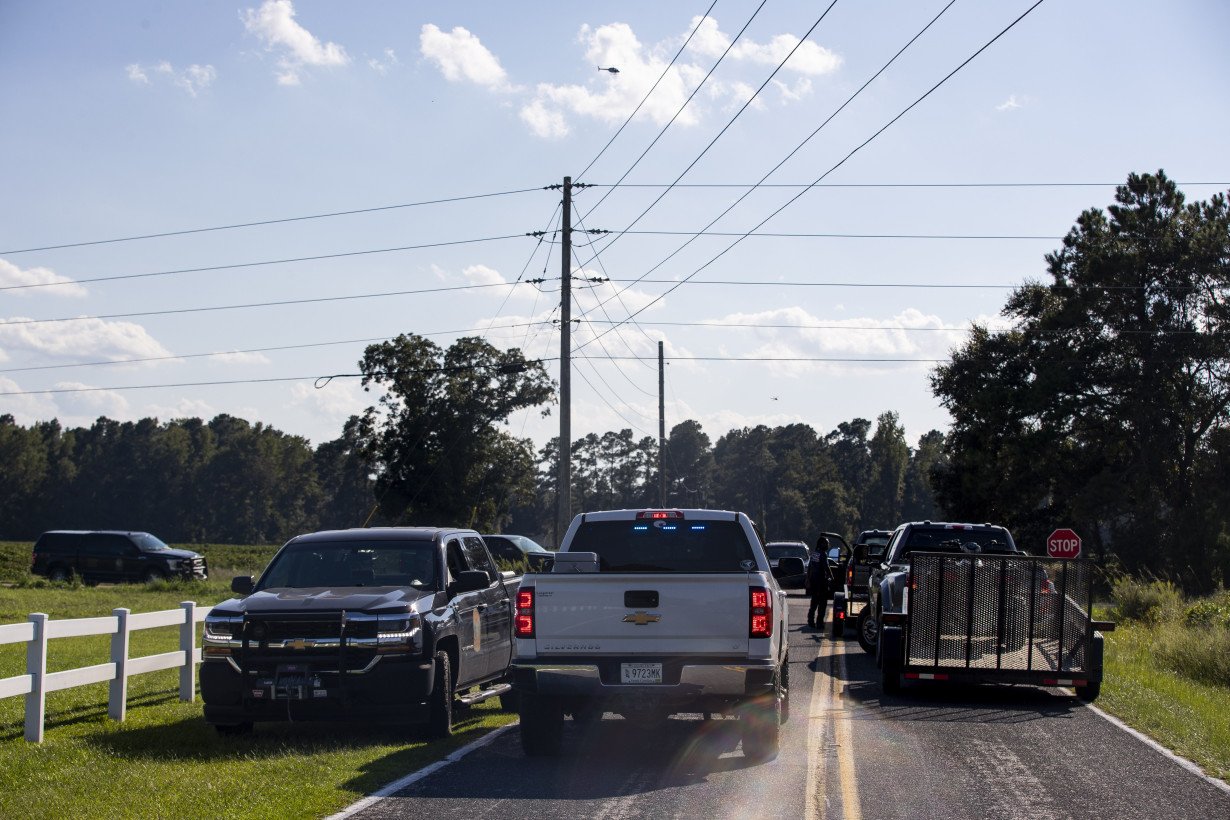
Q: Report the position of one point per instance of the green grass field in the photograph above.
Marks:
(164, 760)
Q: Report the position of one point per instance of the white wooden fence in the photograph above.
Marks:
(120, 624)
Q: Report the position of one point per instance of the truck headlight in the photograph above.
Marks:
(399, 632)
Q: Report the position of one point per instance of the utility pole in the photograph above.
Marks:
(661, 427)
(563, 515)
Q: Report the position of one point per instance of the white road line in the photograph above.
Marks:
(1153, 744)
(397, 785)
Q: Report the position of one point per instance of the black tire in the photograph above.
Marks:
(760, 722)
(59, 573)
(153, 574)
(440, 704)
(1089, 693)
(868, 630)
(586, 716)
(785, 689)
(233, 729)
(542, 725)
(838, 627)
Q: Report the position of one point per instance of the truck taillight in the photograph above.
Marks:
(523, 624)
(910, 582)
(850, 576)
(761, 608)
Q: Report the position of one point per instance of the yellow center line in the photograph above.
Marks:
(826, 701)
(850, 808)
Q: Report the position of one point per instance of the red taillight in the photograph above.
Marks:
(1048, 586)
(850, 575)
(761, 614)
(910, 582)
(523, 624)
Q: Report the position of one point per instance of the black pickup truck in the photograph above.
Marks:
(382, 624)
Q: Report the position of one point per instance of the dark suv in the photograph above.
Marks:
(112, 555)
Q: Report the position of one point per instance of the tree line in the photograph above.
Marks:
(231, 481)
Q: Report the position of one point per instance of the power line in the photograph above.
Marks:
(652, 88)
(844, 159)
(776, 235)
(731, 122)
(876, 184)
(268, 222)
(683, 107)
(285, 261)
(764, 178)
(279, 303)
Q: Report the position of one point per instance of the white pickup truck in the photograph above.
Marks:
(649, 613)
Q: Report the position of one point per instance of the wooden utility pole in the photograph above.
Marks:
(661, 427)
(563, 515)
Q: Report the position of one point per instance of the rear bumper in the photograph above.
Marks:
(685, 681)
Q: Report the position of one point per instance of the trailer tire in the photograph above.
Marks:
(868, 630)
(839, 621)
(1089, 693)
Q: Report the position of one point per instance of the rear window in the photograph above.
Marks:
(940, 539)
(874, 540)
(786, 551)
(666, 546)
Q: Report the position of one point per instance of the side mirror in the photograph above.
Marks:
(242, 585)
(791, 565)
(471, 581)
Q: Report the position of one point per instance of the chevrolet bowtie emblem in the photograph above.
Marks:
(641, 618)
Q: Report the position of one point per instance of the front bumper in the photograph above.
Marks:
(695, 682)
(394, 690)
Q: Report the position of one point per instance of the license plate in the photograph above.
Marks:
(640, 673)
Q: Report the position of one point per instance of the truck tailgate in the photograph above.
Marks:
(643, 614)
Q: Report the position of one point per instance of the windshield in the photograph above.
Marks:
(356, 563)
(666, 546)
(148, 543)
(775, 551)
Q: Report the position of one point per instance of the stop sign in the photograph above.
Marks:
(1063, 543)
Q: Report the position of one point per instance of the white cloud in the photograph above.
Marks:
(90, 339)
(483, 275)
(89, 402)
(335, 402)
(274, 23)
(810, 58)
(236, 357)
(185, 408)
(26, 409)
(460, 56)
(1009, 104)
(612, 98)
(193, 79)
(11, 275)
(544, 122)
(382, 66)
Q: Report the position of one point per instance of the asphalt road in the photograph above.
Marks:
(847, 752)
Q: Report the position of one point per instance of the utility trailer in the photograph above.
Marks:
(988, 618)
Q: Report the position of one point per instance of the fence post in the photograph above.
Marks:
(187, 643)
(36, 668)
(117, 696)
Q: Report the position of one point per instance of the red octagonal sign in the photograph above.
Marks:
(1063, 543)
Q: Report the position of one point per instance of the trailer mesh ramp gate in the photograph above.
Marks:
(1017, 613)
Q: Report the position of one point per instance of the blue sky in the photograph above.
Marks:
(129, 119)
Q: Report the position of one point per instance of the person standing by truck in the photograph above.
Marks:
(818, 583)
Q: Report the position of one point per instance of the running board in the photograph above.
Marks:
(472, 698)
